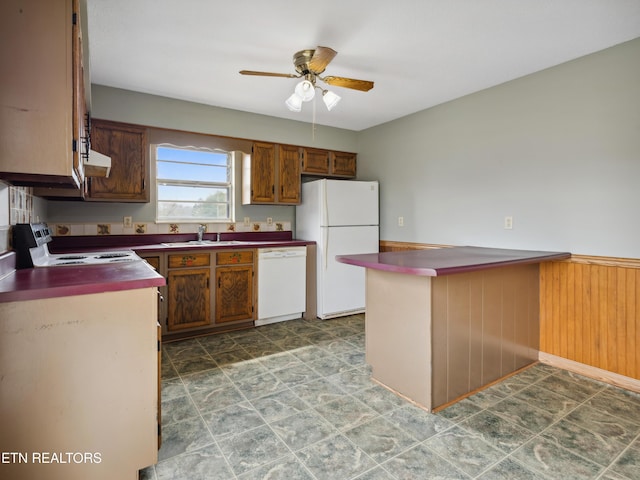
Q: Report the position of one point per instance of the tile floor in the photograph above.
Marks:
(294, 401)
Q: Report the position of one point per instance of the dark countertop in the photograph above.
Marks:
(172, 241)
(48, 282)
(223, 245)
(446, 261)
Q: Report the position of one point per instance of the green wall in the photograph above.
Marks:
(558, 150)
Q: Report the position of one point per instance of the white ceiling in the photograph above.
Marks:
(419, 53)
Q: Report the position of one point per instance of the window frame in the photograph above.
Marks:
(230, 184)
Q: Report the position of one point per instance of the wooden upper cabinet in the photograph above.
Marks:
(326, 163)
(42, 105)
(343, 164)
(129, 151)
(271, 175)
(289, 174)
(315, 161)
(262, 173)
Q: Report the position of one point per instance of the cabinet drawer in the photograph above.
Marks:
(234, 257)
(153, 261)
(189, 260)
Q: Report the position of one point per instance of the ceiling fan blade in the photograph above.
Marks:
(269, 74)
(362, 85)
(321, 58)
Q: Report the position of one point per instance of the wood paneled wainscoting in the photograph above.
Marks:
(589, 315)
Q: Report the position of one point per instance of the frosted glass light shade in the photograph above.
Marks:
(330, 99)
(305, 90)
(294, 102)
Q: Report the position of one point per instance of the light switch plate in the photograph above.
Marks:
(508, 223)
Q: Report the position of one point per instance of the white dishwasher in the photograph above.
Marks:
(282, 275)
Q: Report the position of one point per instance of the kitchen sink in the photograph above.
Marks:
(192, 243)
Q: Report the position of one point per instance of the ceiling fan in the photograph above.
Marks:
(310, 64)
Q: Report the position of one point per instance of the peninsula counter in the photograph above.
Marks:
(442, 323)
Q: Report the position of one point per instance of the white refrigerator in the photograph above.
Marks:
(341, 216)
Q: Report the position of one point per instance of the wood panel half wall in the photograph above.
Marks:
(589, 314)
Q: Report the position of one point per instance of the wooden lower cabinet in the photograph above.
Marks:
(189, 298)
(235, 286)
(234, 295)
(207, 290)
(188, 290)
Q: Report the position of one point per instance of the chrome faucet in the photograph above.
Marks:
(201, 230)
(217, 236)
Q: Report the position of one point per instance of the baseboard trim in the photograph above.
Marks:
(612, 378)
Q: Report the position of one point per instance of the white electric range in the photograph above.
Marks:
(30, 241)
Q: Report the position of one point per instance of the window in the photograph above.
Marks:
(193, 184)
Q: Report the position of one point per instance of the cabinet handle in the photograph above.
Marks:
(219, 279)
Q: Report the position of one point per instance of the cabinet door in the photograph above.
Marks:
(315, 161)
(234, 295)
(128, 149)
(263, 172)
(289, 171)
(188, 298)
(343, 164)
(40, 109)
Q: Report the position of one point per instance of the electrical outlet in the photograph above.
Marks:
(401, 221)
(247, 221)
(127, 222)
(269, 221)
(508, 223)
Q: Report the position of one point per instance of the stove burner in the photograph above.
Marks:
(112, 255)
(72, 257)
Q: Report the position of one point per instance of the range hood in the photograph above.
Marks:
(97, 165)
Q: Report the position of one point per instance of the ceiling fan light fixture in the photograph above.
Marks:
(294, 102)
(330, 99)
(305, 90)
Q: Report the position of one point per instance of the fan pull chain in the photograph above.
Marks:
(313, 124)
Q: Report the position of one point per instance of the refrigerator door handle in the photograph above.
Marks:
(325, 204)
(325, 246)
